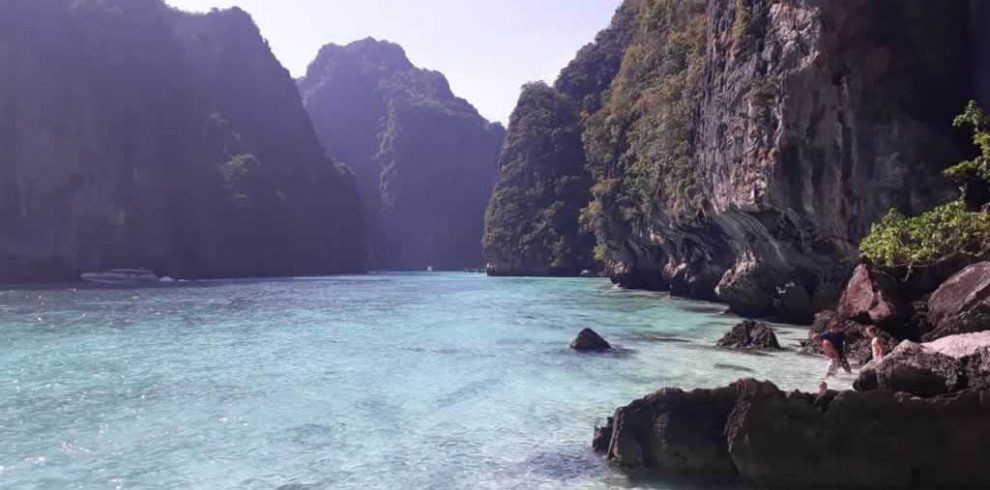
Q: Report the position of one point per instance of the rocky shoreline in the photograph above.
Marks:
(753, 432)
(917, 418)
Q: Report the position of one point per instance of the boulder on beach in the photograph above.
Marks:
(756, 433)
(961, 304)
(914, 369)
(871, 298)
(589, 341)
(750, 334)
(949, 364)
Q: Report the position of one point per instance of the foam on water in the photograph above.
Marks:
(379, 381)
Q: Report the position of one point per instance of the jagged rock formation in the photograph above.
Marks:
(424, 159)
(741, 149)
(132, 134)
(754, 432)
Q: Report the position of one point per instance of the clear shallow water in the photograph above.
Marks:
(380, 381)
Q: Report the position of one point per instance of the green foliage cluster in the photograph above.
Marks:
(979, 167)
(238, 175)
(943, 233)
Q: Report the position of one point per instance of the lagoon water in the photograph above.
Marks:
(390, 381)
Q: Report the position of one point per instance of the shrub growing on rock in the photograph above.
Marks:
(955, 229)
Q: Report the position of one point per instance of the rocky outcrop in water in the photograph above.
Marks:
(132, 134)
(424, 159)
(589, 341)
(750, 335)
(743, 149)
(753, 432)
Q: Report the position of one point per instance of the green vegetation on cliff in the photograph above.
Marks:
(960, 228)
(640, 144)
(541, 169)
(532, 224)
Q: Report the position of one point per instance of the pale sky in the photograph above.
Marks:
(487, 48)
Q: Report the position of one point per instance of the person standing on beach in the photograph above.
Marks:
(834, 344)
(876, 343)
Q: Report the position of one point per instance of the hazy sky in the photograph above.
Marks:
(487, 48)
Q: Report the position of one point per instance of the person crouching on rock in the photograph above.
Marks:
(876, 343)
(834, 344)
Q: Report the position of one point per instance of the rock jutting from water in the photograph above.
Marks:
(589, 341)
(753, 432)
(750, 334)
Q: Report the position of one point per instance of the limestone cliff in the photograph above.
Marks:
(744, 147)
(132, 134)
(424, 159)
(532, 223)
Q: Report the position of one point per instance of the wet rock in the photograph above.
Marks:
(750, 335)
(755, 432)
(962, 303)
(589, 341)
(675, 431)
(914, 369)
(871, 298)
(603, 436)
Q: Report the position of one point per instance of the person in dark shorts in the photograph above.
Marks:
(834, 344)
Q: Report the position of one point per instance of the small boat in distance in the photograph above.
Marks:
(121, 276)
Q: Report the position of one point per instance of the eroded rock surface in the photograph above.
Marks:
(962, 303)
(756, 433)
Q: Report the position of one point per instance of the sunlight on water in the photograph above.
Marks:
(380, 381)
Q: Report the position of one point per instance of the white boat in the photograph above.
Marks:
(121, 276)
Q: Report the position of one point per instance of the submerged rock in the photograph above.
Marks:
(962, 303)
(756, 433)
(750, 334)
(589, 341)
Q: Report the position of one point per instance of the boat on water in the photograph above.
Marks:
(121, 277)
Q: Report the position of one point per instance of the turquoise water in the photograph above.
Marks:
(380, 381)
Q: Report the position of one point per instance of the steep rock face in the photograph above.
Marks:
(759, 140)
(743, 148)
(424, 159)
(136, 135)
(532, 223)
